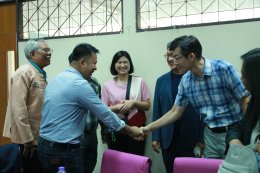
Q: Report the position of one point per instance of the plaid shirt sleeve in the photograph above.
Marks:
(181, 98)
(234, 83)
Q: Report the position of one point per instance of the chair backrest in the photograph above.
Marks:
(196, 165)
(10, 158)
(120, 162)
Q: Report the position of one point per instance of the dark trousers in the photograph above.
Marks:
(10, 159)
(125, 143)
(181, 146)
(52, 155)
(30, 165)
(89, 151)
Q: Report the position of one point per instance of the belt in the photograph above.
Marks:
(223, 129)
(58, 145)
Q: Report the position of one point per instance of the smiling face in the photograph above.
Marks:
(42, 56)
(122, 66)
(88, 66)
(180, 61)
(170, 60)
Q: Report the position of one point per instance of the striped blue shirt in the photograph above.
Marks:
(217, 95)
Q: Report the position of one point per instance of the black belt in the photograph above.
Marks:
(223, 129)
(57, 145)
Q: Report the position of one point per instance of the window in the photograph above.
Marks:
(63, 18)
(171, 13)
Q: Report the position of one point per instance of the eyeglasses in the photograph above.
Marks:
(175, 58)
(47, 50)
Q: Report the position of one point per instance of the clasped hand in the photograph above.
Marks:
(126, 106)
(139, 133)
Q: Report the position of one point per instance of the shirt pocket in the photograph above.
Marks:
(37, 87)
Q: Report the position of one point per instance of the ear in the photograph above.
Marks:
(32, 53)
(192, 56)
(82, 61)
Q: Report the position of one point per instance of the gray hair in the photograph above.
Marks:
(32, 45)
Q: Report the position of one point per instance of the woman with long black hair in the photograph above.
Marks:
(247, 131)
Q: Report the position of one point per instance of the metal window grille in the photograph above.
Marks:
(64, 18)
(170, 13)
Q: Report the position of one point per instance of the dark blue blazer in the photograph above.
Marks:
(189, 124)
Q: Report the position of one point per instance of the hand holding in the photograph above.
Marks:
(136, 133)
(145, 130)
(156, 146)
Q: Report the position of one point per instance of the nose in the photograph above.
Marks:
(170, 57)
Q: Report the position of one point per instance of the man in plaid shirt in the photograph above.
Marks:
(213, 88)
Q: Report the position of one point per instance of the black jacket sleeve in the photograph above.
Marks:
(240, 130)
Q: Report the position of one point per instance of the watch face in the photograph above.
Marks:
(199, 150)
(196, 152)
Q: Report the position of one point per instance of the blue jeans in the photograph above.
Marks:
(52, 155)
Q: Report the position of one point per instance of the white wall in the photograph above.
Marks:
(227, 42)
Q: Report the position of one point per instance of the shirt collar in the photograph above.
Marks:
(39, 69)
(207, 67)
(73, 70)
(207, 71)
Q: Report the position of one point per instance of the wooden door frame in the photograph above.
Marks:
(8, 37)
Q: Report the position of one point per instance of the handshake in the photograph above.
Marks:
(138, 133)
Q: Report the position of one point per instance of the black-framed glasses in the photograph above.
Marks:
(175, 58)
(168, 55)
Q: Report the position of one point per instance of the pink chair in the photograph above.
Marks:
(196, 165)
(120, 162)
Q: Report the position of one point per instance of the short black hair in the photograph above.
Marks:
(116, 57)
(187, 44)
(70, 58)
(82, 50)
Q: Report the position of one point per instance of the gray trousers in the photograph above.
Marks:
(215, 144)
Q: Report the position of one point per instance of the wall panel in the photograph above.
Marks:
(7, 43)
